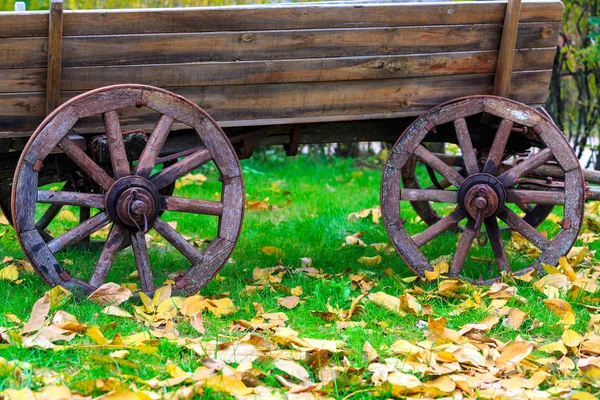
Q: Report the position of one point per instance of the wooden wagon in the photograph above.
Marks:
(241, 77)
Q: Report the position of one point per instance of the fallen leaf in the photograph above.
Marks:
(288, 302)
(10, 273)
(110, 294)
(39, 313)
(293, 369)
(272, 251)
(370, 261)
(196, 322)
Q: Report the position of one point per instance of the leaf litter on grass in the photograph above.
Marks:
(470, 341)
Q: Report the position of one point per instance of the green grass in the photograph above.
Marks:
(311, 197)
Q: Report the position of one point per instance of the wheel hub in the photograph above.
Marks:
(133, 202)
(483, 195)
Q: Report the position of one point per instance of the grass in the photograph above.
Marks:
(311, 198)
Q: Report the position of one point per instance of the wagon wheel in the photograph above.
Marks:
(534, 214)
(485, 196)
(130, 201)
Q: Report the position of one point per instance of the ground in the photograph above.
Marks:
(379, 326)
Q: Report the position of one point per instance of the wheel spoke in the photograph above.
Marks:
(439, 227)
(48, 216)
(497, 151)
(155, 143)
(55, 197)
(81, 231)
(527, 231)
(140, 251)
(511, 176)
(441, 196)
(180, 204)
(168, 175)
(86, 164)
(438, 165)
(535, 197)
(464, 142)
(462, 251)
(118, 156)
(178, 241)
(111, 247)
(495, 236)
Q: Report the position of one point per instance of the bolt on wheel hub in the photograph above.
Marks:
(133, 202)
(481, 195)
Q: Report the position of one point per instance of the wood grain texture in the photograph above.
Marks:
(271, 45)
(506, 53)
(276, 71)
(242, 105)
(296, 16)
(55, 39)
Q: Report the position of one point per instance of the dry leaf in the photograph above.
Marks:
(370, 261)
(39, 313)
(196, 322)
(293, 369)
(288, 302)
(272, 251)
(110, 294)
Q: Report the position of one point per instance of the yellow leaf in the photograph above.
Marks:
(554, 347)
(293, 369)
(220, 307)
(514, 318)
(67, 215)
(227, 384)
(409, 304)
(582, 396)
(370, 261)
(404, 347)
(297, 291)
(561, 309)
(567, 269)
(193, 305)
(161, 295)
(571, 338)
(96, 335)
(386, 301)
(513, 354)
(3, 220)
(10, 273)
(39, 312)
(147, 302)
(272, 251)
(116, 311)
(438, 269)
(552, 285)
(58, 296)
(110, 294)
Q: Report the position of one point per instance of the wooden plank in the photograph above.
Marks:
(506, 54)
(270, 45)
(264, 17)
(277, 71)
(55, 38)
(242, 105)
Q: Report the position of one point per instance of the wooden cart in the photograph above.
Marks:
(241, 77)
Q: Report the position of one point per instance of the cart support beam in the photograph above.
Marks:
(55, 34)
(506, 54)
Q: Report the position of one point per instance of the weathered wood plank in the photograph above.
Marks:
(296, 16)
(242, 105)
(277, 71)
(506, 54)
(55, 38)
(270, 45)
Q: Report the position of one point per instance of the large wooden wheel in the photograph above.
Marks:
(486, 196)
(534, 214)
(129, 198)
